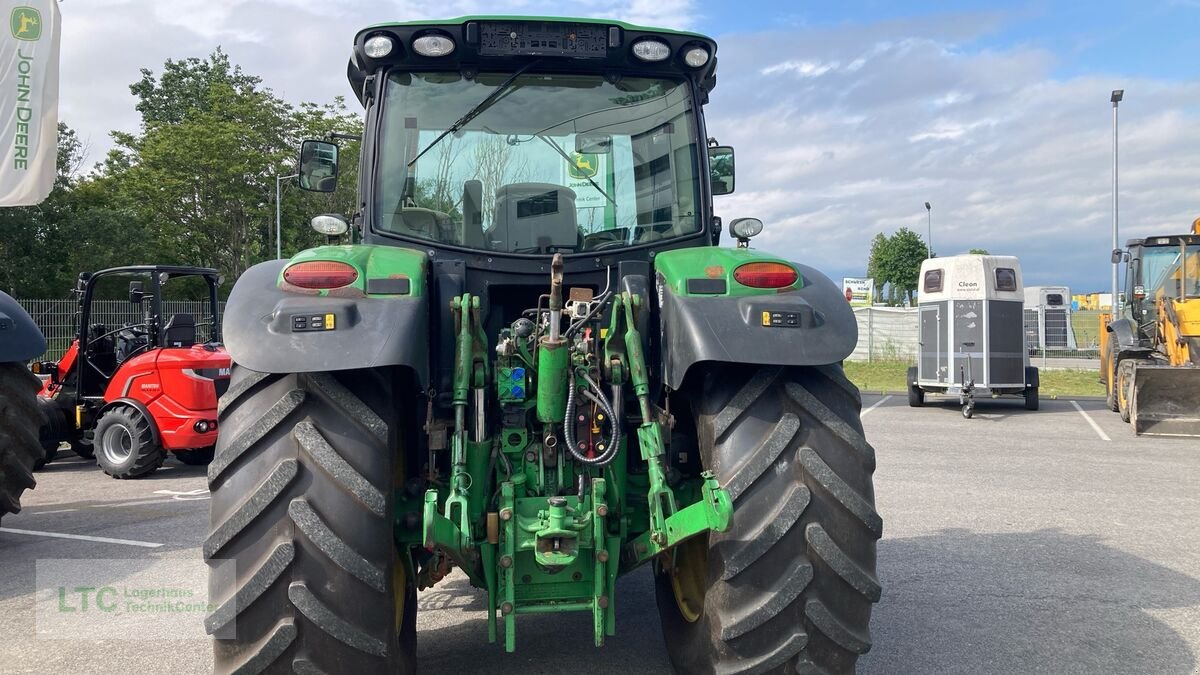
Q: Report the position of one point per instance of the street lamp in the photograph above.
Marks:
(278, 229)
(1117, 95)
(929, 228)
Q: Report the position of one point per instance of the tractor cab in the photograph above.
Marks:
(150, 351)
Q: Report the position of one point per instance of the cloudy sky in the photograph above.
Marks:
(846, 116)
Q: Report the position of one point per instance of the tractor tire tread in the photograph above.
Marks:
(21, 418)
(313, 540)
(792, 582)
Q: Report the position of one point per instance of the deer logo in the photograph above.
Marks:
(26, 24)
(583, 165)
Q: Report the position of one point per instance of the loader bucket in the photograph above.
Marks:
(1166, 401)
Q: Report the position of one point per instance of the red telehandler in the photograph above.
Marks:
(129, 394)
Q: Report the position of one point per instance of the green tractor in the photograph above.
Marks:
(530, 361)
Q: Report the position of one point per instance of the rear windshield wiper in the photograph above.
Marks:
(474, 112)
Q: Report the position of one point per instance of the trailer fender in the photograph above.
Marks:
(20, 339)
(269, 328)
(807, 326)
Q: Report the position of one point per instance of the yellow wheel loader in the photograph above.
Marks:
(1150, 352)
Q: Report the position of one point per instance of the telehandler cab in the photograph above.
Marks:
(533, 363)
(130, 394)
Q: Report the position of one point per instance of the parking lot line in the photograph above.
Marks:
(42, 513)
(82, 537)
(876, 405)
(138, 502)
(1103, 436)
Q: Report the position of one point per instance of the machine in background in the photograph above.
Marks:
(1150, 354)
(130, 394)
(971, 335)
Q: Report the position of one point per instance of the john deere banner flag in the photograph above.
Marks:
(28, 101)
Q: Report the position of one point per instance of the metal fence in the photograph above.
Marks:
(890, 334)
(59, 319)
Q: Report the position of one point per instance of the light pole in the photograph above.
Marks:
(278, 229)
(929, 228)
(1117, 95)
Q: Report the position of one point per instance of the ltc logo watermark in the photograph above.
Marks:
(139, 599)
(26, 24)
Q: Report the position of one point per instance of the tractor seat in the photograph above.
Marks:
(180, 331)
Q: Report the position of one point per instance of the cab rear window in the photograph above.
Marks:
(1006, 279)
(933, 281)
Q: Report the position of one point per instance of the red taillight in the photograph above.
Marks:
(320, 274)
(765, 275)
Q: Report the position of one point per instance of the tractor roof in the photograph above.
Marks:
(560, 44)
(458, 21)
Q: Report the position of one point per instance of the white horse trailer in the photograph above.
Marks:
(971, 337)
(1048, 318)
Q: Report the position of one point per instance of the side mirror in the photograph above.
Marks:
(318, 166)
(720, 169)
(136, 294)
(329, 224)
(1119, 256)
(744, 228)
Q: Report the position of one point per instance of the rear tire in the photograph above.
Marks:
(20, 420)
(125, 445)
(51, 431)
(1031, 398)
(790, 585)
(302, 498)
(197, 457)
(916, 395)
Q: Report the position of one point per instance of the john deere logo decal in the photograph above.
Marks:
(583, 165)
(26, 23)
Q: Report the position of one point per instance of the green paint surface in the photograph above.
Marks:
(372, 262)
(711, 262)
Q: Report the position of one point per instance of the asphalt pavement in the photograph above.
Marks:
(1015, 542)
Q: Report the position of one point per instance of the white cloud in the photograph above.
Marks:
(801, 68)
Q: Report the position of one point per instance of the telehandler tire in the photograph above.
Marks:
(20, 419)
(789, 587)
(125, 445)
(302, 493)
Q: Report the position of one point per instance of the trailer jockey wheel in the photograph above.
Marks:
(125, 445)
(968, 410)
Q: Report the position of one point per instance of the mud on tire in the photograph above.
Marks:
(790, 586)
(302, 493)
(20, 421)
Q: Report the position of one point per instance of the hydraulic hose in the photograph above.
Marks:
(597, 396)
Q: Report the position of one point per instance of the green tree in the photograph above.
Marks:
(875, 263)
(979, 251)
(902, 264)
(203, 170)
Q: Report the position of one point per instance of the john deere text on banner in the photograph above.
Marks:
(28, 101)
